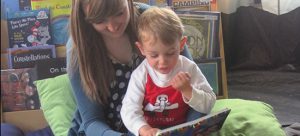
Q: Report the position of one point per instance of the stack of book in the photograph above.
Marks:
(35, 29)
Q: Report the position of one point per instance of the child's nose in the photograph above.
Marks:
(162, 61)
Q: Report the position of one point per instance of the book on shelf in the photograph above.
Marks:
(50, 68)
(60, 11)
(27, 56)
(18, 91)
(25, 4)
(202, 31)
(9, 6)
(29, 28)
(204, 125)
(211, 69)
(191, 5)
(159, 3)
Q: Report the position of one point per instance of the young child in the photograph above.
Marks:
(165, 84)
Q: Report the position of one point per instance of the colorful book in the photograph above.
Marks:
(201, 126)
(18, 91)
(29, 28)
(27, 56)
(202, 31)
(60, 11)
(191, 5)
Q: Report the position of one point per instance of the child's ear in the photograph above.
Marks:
(183, 42)
(139, 45)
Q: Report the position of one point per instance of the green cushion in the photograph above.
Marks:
(57, 103)
(248, 118)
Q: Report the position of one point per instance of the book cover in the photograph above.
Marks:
(18, 91)
(60, 11)
(29, 28)
(25, 5)
(159, 3)
(202, 31)
(211, 69)
(27, 56)
(191, 5)
(8, 6)
(50, 68)
(204, 125)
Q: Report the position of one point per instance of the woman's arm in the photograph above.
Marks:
(92, 114)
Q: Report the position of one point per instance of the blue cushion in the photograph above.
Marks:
(41, 132)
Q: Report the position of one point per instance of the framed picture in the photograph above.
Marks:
(211, 69)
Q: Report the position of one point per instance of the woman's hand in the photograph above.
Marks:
(182, 82)
(148, 131)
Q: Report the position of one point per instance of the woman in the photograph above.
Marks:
(102, 56)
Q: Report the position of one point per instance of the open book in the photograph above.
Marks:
(204, 125)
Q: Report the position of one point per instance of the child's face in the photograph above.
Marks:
(161, 57)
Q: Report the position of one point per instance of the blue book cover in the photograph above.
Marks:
(9, 6)
(29, 28)
(159, 3)
(211, 69)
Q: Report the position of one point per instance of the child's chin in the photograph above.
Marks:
(164, 71)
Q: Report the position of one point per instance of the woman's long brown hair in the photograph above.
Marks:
(89, 54)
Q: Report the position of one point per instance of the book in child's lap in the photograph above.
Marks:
(201, 126)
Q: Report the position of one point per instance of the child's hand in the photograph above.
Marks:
(148, 131)
(181, 82)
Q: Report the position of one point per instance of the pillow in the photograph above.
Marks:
(41, 132)
(57, 103)
(10, 130)
(248, 118)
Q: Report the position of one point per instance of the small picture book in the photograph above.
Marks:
(29, 28)
(18, 91)
(60, 11)
(204, 125)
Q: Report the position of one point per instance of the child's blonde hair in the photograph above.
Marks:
(160, 23)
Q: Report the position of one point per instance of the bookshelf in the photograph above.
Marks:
(205, 41)
(214, 7)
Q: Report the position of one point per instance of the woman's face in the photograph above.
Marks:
(114, 26)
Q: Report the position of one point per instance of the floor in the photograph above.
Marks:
(284, 98)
